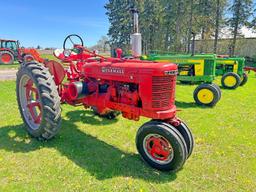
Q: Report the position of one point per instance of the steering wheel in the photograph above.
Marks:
(72, 40)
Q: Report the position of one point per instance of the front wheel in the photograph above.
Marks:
(207, 94)
(162, 146)
(244, 79)
(188, 137)
(230, 80)
(38, 100)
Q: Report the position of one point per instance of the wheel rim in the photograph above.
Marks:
(205, 96)
(30, 102)
(230, 81)
(158, 149)
(6, 58)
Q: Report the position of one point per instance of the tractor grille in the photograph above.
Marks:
(163, 91)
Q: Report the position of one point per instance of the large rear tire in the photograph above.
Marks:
(6, 57)
(161, 146)
(38, 100)
(28, 58)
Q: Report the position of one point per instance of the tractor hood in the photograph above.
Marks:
(128, 70)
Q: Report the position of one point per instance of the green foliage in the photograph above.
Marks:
(167, 24)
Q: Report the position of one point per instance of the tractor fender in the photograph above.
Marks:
(6, 49)
(56, 70)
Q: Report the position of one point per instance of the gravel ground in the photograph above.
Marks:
(8, 74)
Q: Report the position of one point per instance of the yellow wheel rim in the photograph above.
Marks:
(205, 96)
(230, 81)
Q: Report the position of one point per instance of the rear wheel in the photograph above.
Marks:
(161, 146)
(244, 79)
(28, 58)
(6, 57)
(206, 94)
(38, 100)
(230, 80)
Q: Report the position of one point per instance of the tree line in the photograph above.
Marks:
(170, 24)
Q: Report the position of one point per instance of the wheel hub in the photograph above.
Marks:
(230, 81)
(205, 96)
(30, 102)
(6, 58)
(158, 148)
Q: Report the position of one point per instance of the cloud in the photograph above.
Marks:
(248, 32)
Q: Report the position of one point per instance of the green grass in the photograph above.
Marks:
(12, 66)
(94, 154)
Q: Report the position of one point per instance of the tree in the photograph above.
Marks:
(102, 44)
(118, 12)
(240, 10)
(219, 21)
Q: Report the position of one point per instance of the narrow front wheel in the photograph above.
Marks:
(207, 94)
(161, 146)
(230, 80)
(244, 79)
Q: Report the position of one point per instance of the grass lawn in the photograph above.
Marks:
(12, 66)
(94, 154)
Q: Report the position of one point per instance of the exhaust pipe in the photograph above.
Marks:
(136, 39)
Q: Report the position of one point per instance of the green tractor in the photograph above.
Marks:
(232, 71)
(199, 69)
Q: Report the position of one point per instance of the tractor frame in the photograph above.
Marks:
(107, 86)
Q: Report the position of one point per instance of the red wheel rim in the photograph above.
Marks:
(33, 103)
(6, 58)
(158, 148)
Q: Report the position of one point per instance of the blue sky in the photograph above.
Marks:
(48, 22)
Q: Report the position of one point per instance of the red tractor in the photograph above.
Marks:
(10, 51)
(108, 86)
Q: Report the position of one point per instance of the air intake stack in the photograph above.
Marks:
(136, 36)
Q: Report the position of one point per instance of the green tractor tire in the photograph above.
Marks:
(218, 89)
(230, 80)
(207, 94)
(244, 79)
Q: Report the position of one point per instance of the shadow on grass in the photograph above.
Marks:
(184, 105)
(88, 117)
(102, 160)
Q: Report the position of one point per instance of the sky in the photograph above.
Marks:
(48, 22)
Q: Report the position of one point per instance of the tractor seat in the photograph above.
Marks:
(59, 54)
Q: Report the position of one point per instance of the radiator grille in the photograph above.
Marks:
(162, 91)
